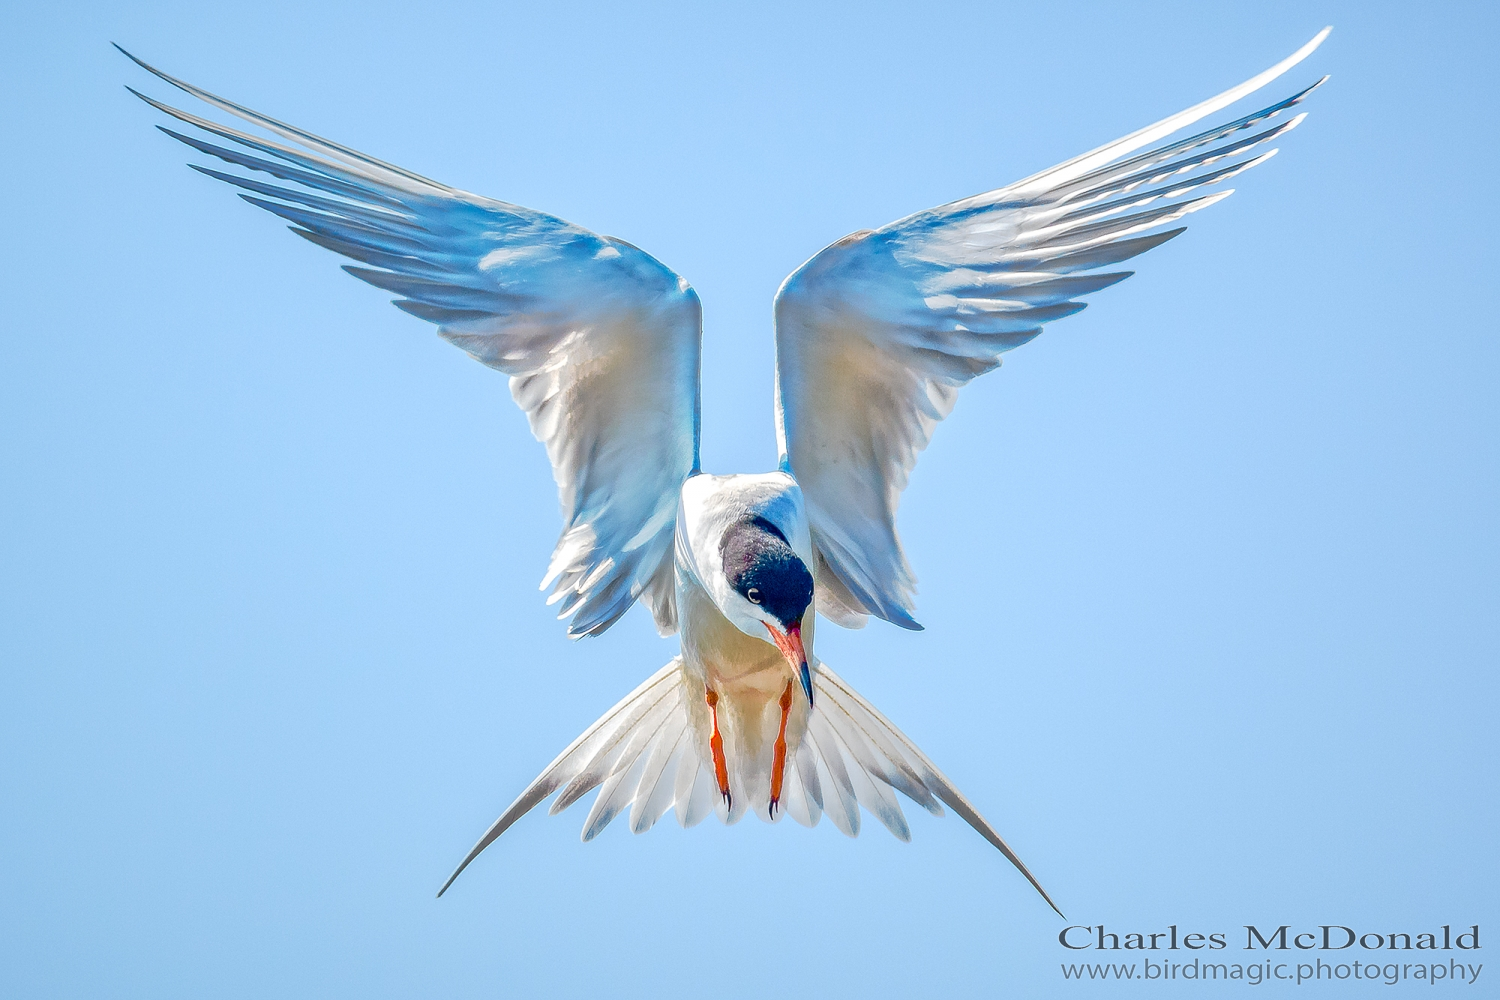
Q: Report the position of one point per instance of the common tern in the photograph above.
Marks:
(875, 335)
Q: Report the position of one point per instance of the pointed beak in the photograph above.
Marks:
(790, 644)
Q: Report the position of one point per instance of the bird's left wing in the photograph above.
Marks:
(876, 334)
(601, 341)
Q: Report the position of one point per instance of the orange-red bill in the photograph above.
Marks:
(790, 644)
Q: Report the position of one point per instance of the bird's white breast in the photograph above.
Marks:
(748, 673)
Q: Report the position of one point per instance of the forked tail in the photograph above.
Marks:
(644, 755)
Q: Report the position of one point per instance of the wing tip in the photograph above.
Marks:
(124, 52)
(1307, 48)
(896, 615)
(484, 842)
(143, 64)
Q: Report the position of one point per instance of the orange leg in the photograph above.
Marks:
(716, 744)
(778, 755)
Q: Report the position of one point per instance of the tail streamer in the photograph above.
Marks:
(643, 755)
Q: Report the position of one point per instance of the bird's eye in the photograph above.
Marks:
(753, 594)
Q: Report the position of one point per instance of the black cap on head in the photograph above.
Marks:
(763, 569)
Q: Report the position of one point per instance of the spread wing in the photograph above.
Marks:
(600, 340)
(877, 333)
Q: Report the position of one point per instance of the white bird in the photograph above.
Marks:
(874, 337)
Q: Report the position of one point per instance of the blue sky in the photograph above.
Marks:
(1208, 571)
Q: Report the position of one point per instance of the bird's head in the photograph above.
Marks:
(770, 589)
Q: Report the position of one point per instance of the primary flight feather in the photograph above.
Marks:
(875, 335)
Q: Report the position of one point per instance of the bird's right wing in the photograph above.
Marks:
(876, 334)
(600, 340)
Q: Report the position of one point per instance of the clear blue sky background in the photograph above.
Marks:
(1208, 571)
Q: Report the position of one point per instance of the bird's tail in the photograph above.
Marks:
(644, 755)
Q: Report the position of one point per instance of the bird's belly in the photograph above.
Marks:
(749, 678)
(729, 660)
